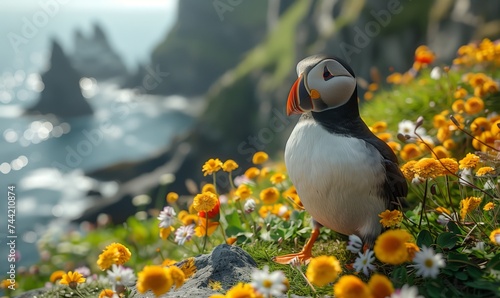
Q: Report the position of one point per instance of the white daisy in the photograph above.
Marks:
(249, 206)
(407, 127)
(355, 244)
(364, 262)
(183, 234)
(406, 292)
(166, 217)
(269, 284)
(119, 275)
(428, 263)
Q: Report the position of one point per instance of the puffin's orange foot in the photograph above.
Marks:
(302, 257)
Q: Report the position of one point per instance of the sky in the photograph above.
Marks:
(134, 27)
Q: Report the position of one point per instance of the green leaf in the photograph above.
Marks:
(233, 219)
(461, 275)
(454, 228)
(494, 263)
(424, 238)
(474, 272)
(447, 240)
(400, 276)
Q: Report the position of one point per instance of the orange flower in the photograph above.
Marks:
(410, 151)
(474, 105)
(480, 125)
(269, 195)
(201, 229)
(260, 157)
(469, 161)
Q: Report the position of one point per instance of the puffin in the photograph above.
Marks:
(344, 175)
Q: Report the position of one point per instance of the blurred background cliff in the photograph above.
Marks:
(109, 104)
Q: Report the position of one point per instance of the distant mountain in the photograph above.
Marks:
(95, 57)
(61, 96)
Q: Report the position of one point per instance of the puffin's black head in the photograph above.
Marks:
(324, 83)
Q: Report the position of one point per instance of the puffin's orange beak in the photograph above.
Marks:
(293, 103)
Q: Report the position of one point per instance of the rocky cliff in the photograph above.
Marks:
(94, 57)
(62, 95)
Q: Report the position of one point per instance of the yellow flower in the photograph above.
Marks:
(443, 210)
(154, 278)
(177, 276)
(243, 191)
(165, 232)
(410, 151)
(458, 106)
(439, 121)
(209, 187)
(205, 201)
(260, 157)
(469, 161)
(384, 136)
(495, 236)
(495, 128)
(480, 125)
(467, 205)
(229, 166)
(483, 171)
(460, 93)
(378, 127)
(412, 249)
(350, 286)
(478, 79)
(380, 286)
(124, 253)
(189, 219)
(56, 275)
(448, 165)
(440, 152)
(107, 258)
(252, 172)
(395, 146)
(488, 206)
(390, 247)
(443, 133)
(323, 270)
(106, 293)
(427, 168)
(114, 253)
(368, 95)
(241, 290)
(407, 169)
(72, 279)
(172, 197)
(391, 219)
(449, 144)
(474, 105)
(211, 166)
(215, 285)
(168, 262)
(269, 195)
(201, 229)
(188, 267)
(277, 178)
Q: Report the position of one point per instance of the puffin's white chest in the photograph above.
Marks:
(338, 179)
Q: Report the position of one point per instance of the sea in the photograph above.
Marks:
(43, 159)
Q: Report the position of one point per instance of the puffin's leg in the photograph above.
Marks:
(306, 253)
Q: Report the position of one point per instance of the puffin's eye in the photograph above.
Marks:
(327, 74)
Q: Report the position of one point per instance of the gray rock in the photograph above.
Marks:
(226, 264)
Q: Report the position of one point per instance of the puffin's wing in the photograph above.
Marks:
(395, 187)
